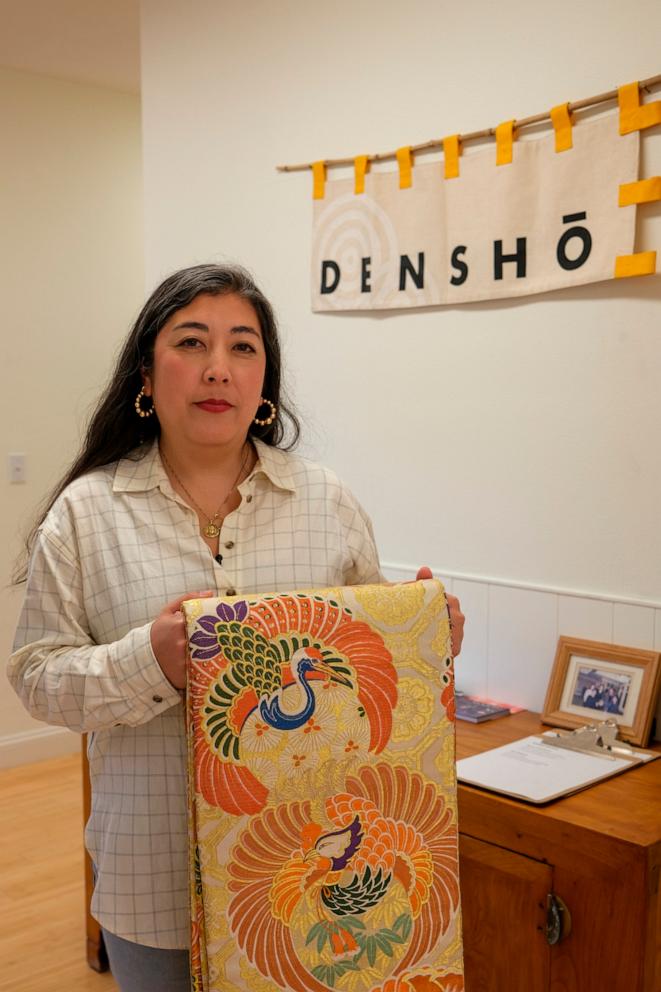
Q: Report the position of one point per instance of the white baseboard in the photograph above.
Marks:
(37, 745)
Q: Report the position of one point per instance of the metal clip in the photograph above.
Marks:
(594, 738)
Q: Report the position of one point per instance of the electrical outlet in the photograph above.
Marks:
(16, 467)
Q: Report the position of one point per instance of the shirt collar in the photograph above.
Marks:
(275, 465)
(140, 474)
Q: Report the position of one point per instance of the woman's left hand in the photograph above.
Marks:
(457, 618)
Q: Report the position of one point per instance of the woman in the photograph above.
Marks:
(180, 491)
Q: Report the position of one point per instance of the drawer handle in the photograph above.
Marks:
(558, 919)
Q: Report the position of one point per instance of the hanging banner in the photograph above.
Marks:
(525, 217)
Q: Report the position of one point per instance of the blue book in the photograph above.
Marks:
(476, 710)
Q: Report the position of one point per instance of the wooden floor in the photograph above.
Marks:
(42, 918)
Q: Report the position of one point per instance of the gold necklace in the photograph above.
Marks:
(210, 529)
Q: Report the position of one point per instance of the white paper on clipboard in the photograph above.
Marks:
(531, 770)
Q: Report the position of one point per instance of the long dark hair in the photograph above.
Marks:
(114, 428)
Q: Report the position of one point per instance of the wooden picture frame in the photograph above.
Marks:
(591, 680)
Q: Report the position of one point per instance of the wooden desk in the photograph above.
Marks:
(598, 850)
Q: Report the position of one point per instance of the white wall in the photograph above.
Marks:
(72, 276)
(515, 445)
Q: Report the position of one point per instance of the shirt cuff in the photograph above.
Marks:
(145, 683)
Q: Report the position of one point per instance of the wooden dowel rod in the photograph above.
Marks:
(590, 101)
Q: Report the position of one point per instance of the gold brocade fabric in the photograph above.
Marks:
(323, 814)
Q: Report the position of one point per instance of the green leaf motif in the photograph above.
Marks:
(347, 965)
(383, 943)
(352, 921)
(371, 947)
(314, 932)
(361, 940)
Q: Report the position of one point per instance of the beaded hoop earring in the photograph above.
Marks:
(138, 408)
(271, 417)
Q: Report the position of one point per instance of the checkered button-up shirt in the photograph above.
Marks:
(116, 546)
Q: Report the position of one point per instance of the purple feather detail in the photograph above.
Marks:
(208, 624)
(207, 638)
(207, 653)
(225, 612)
(204, 640)
(355, 837)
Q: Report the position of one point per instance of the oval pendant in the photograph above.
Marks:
(210, 530)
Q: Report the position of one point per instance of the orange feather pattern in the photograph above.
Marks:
(407, 829)
(233, 788)
(241, 708)
(398, 792)
(383, 844)
(377, 678)
(299, 613)
(263, 870)
(287, 888)
(423, 983)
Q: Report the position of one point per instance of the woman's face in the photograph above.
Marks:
(208, 372)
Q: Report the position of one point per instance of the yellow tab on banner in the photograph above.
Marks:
(634, 115)
(504, 141)
(318, 180)
(451, 153)
(561, 120)
(643, 263)
(644, 191)
(405, 162)
(360, 167)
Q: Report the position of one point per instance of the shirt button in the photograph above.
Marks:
(229, 544)
(231, 592)
(248, 499)
(157, 699)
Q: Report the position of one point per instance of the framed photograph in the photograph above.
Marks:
(593, 681)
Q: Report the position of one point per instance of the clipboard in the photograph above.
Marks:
(544, 767)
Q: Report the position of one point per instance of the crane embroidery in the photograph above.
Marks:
(259, 672)
(374, 886)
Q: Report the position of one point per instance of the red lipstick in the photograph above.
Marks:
(214, 406)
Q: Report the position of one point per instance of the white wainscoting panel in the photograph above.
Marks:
(471, 672)
(523, 633)
(590, 619)
(633, 626)
(657, 647)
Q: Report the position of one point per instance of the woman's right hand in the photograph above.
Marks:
(168, 638)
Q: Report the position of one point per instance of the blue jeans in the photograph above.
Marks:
(138, 968)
